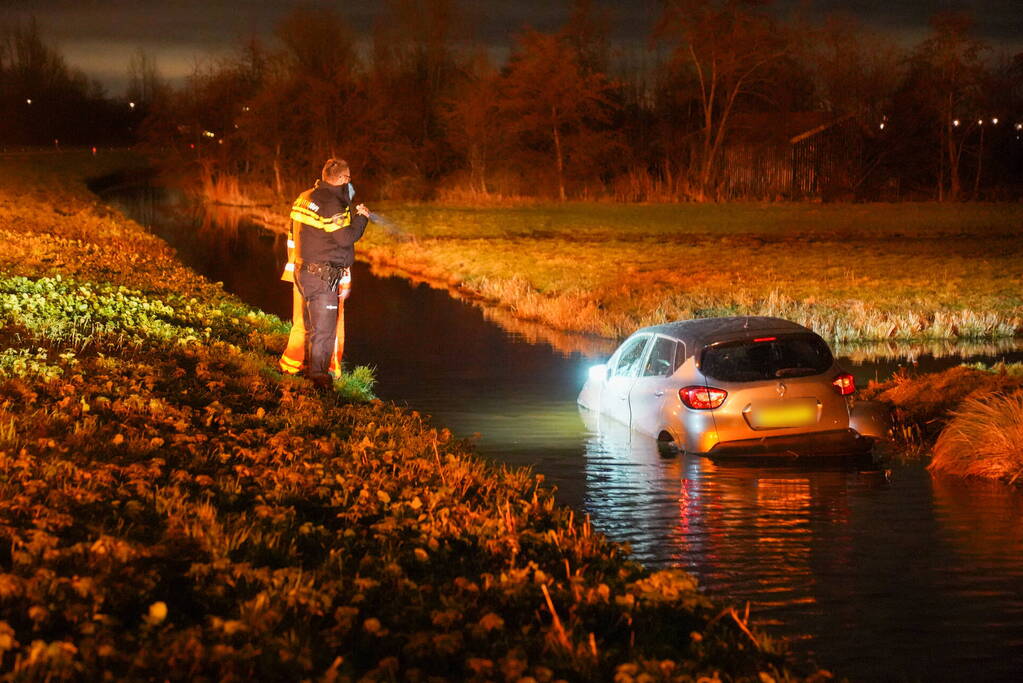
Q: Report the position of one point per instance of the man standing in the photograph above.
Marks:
(292, 360)
(325, 236)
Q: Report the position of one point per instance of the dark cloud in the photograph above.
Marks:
(99, 36)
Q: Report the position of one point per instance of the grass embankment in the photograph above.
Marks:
(850, 272)
(970, 417)
(171, 507)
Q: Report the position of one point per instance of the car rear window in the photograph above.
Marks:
(771, 357)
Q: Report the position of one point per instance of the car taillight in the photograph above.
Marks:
(844, 384)
(702, 398)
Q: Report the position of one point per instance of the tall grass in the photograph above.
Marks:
(853, 273)
(983, 439)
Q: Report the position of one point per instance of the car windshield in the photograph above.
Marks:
(770, 357)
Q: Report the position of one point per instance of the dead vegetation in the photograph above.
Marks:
(984, 438)
(970, 416)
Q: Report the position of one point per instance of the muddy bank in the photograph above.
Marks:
(970, 417)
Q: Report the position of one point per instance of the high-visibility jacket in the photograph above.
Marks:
(325, 231)
(304, 212)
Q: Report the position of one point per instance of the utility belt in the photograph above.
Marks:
(332, 275)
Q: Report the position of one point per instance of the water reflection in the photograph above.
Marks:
(711, 513)
(911, 352)
(869, 571)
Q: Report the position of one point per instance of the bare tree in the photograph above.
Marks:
(857, 74)
(547, 93)
(473, 119)
(728, 47)
(950, 72)
(145, 85)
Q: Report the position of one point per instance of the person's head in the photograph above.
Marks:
(336, 172)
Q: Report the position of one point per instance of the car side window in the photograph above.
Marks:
(661, 361)
(631, 355)
(680, 356)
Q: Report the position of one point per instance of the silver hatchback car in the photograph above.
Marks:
(735, 386)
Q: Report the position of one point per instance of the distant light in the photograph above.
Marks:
(882, 126)
(995, 120)
(1019, 126)
(245, 108)
(220, 141)
(209, 134)
(980, 122)
(28, 101)
(956, 122)
(131, 104)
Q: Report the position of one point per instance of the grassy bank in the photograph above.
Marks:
(172, 507)
(969, 417)
(851, 272)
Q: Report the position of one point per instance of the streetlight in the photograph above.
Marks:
(28, 100)
(131, 105)
(955, 123)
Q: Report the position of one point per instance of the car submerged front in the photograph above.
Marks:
(769, 387)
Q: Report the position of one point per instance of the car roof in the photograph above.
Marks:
(702, 331)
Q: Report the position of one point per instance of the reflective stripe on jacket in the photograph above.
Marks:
(324, 229)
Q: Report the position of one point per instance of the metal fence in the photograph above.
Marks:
(821, 165)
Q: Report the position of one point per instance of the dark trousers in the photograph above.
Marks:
(319, 312)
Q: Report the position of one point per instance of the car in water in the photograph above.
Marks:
(735, 386)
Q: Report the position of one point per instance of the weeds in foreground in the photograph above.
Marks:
(356, 385)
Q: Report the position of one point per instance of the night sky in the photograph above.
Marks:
(100, 36)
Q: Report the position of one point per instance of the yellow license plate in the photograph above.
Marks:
(794, 414)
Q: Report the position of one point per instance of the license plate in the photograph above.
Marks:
(785, 414)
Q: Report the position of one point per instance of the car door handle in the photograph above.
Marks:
(658, 393)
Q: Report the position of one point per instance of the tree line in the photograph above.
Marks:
(46, 102)
(726, 99)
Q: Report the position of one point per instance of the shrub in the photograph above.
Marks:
(984, 438)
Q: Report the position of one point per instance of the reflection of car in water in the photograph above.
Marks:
(735, 386)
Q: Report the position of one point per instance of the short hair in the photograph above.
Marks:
(333, 170)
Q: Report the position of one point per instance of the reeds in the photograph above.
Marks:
(984, 438)
(963, 412)
(854, 273)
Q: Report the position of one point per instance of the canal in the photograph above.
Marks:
(873, 573)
